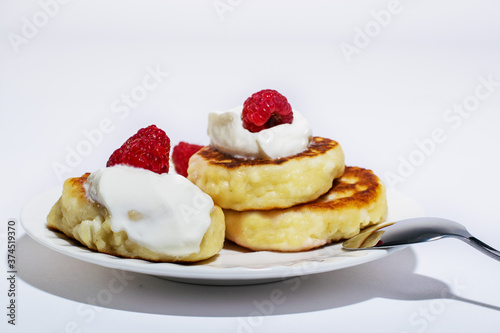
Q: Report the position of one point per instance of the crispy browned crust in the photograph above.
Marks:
(356, 188)
(77, 184)
(317, 146)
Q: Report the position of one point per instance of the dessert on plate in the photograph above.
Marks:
(281, 188)
(134, 208)
(264, 182)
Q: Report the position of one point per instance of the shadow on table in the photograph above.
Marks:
(392, 277)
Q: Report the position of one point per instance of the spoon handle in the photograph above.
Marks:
(483, 247)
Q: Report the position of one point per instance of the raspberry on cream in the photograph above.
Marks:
(165, 213)
(228, 135)
(149, 149)
(264, 109)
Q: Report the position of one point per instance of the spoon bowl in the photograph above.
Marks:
(412, 231)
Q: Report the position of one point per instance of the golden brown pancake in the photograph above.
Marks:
(88, 223)
(356, 200)
(249, 184)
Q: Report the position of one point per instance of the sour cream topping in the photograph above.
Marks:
(228, 135)
(165, 213)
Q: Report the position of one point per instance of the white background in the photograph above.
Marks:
(66, 74)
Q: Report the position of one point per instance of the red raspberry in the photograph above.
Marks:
(181, 154)
(265, 109)
(149, 149)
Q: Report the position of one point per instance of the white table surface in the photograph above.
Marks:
(403, 86)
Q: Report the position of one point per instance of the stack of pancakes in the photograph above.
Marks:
(294, 203)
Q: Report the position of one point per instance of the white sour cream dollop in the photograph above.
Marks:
(228, 135)
(165, 213)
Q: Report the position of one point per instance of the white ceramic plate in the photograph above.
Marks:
(233, 266)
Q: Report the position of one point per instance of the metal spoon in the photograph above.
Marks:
(416, 230)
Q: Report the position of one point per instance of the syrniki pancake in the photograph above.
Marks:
(88, 222)
(356, 200)
(249, 184)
